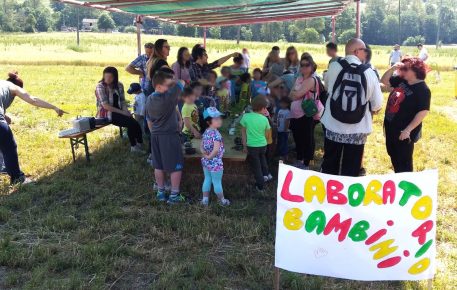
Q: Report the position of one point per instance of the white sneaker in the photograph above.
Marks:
(224, 202)
(268, 178)
(204, 203)
(136, 149)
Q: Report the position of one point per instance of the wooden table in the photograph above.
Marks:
(229, 155)
(80, 138)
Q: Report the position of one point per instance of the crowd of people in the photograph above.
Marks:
(188, 100)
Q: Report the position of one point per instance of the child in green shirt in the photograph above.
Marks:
(253, 131)
(190, 115)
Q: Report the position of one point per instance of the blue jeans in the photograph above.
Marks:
(215, 178)
(9, 149)
(283, 143)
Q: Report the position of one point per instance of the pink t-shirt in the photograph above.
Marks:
(296, 110)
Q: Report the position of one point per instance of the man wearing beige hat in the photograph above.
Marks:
(395, 55)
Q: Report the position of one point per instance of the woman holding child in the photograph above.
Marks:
(302, 126)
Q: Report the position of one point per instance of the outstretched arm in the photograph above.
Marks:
(222, 60)
(34, 101)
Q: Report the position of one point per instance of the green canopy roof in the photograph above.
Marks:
(220, 12)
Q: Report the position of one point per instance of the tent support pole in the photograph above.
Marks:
(357, 19)
(138, 21)
(333, 28)
(204, 37)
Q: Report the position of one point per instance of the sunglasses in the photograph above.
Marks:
(305, 64)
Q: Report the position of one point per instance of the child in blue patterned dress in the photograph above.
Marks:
(212, 149)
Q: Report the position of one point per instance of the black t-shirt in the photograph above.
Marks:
(404, 102)
(160, 63)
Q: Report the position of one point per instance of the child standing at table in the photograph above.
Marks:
(283, 121)
(190, 115)
(255, 127)
(212, 149)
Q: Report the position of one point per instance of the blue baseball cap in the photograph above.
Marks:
(134, 87)
(211, 112)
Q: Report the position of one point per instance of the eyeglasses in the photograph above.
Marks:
(305, 64)
(167, 46)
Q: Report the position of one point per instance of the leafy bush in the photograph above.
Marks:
(414, 40)
(346, 36)
(130, 29)
(309, 35)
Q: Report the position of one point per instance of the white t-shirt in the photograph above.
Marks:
(139, 105)
(283, 116)
(395, 56)
(423, 54)
(373, 94)
(247, 60)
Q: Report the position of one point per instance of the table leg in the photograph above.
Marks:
(72, 143)
(86, 147)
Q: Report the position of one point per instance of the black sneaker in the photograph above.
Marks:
(362, 172)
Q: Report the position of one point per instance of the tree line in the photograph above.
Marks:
(382, 22)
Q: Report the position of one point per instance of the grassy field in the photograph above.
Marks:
(96, 226)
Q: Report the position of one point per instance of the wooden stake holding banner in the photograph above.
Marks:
(378, 228)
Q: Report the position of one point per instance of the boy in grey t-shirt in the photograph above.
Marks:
(166, 149)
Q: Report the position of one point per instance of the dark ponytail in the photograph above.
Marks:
(13, 77)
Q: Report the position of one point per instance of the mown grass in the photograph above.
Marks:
(96, 226)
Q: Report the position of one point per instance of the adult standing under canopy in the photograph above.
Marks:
(355, 94)
(200, 67)
(9, 90)
(157, 61)
(139, 65)
(408, 105)
(181, 66)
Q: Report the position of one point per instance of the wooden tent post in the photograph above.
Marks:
(276, 282)
(357, 19)
(204, 37)
(138, 22)
(333, 28)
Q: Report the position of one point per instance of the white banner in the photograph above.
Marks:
(379, 227)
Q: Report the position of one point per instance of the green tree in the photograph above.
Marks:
(389, 30)
(186, 30)
(430, 28)
(30, 24)
(317, 23)
(372, 22)
(215, 32)
(346, 36)
(246, 33)
(105, 22)
(272, 31)
(309, 35)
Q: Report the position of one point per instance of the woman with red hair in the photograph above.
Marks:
(408, 105)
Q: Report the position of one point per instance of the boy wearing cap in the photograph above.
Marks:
(139, 103)
(212, 149)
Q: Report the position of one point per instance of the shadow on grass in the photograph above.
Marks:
(97, 226)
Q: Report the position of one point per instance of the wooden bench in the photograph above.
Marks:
(80, 138)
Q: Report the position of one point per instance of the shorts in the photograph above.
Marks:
(167, 152)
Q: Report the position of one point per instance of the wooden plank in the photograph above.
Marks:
(229, 155)
(80, 134)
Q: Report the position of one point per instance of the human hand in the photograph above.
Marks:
(197, 135)
(404, 135)
(397, 65)
(245, 149)
(60, 112)
(7, 119)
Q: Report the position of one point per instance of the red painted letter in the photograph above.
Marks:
(334, 194)
(285, 193)
(334, 224)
